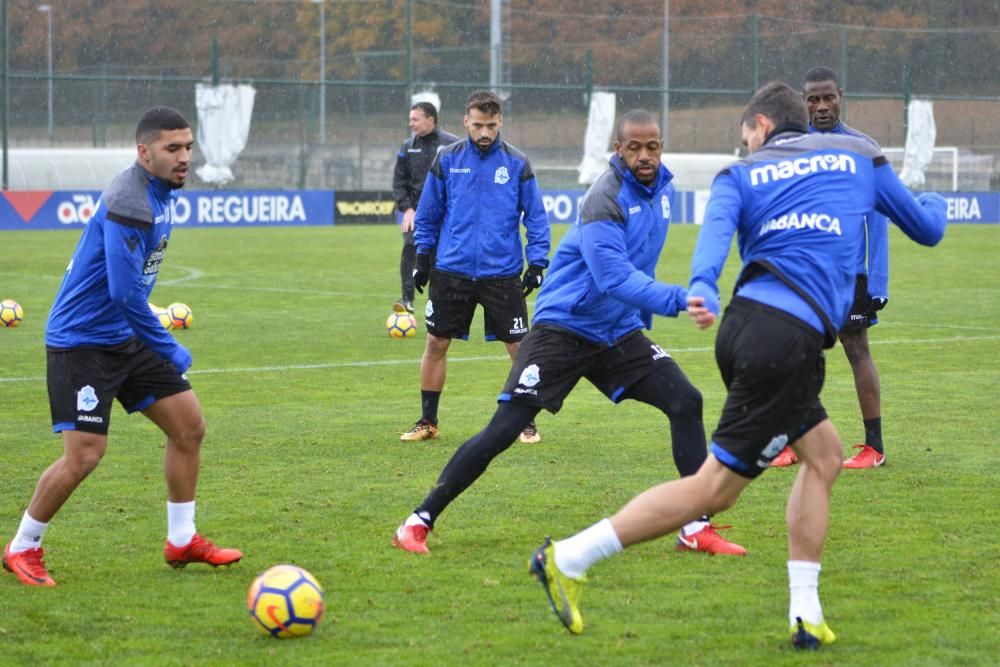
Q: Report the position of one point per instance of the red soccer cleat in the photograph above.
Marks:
(199, 550)
(27, 566)
(709, 541)
(868, 457)
(786, 457)
(411, 538)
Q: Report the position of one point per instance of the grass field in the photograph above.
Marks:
(305, 395)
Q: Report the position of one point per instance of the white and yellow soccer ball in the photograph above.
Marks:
(163, 316)
(285, 601)
(11, 313)
(401, 325)
(181, 315)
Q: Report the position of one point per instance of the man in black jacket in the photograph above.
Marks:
(412, 163)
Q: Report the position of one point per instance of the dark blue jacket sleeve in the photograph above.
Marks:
(922, 220)
(603, 247)
(430, 210)
(125, 256)
(722, 219)
(536, 223)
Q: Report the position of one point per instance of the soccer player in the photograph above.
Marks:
(412, 163)
(797, 204)
(600, 293)
(477, 193)
(823, 97)
(103, 342)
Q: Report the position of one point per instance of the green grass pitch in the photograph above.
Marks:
(305, 395)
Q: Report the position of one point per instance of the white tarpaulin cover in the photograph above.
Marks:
(600, 125)
(224, 114)
(920, 136)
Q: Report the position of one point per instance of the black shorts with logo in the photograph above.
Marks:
(861, 316)
(552, 360)
(451, 305)
(83, 381)
(773, 366)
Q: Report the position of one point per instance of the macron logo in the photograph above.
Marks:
(779, 171)
(460, 170)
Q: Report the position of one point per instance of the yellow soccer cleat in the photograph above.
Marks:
(564, 592)
(805, 635)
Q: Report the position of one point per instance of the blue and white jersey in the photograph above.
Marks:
(602, 283)
(798, 207)
(104, 296)
(873, 258)
(471, 207)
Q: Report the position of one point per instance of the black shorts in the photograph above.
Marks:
(83, 381)
(452, 301)
(862, 315)
(551, 361)
(773, 366)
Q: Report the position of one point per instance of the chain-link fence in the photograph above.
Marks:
(551, 57)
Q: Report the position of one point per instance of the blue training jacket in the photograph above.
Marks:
(602, 282)
(104, 296)
(873, 258)
(471, 208)
(798, 207)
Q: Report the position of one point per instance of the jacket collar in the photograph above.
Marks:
(663, 176)
(787, 128)
(161, 187)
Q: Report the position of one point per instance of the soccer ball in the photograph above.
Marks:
(180, 315)
(285, 601)
(401, 325)
(163, 316)
(11, 313)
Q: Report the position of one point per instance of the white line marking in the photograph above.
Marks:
(402, 362)
(192, 274)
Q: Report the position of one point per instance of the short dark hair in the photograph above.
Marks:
(634, 117)
(817, 74)
(485, 101)
(156, 120)
(779, 102)
(428, 110)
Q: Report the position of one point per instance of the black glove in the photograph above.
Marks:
(877, 303)
(532, 279)
(421, 272)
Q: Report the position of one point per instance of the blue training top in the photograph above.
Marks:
(470, 210)
(798, 207)
(602, 281)
(104, 296)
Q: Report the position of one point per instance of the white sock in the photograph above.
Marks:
(575, 554)
(180, 523)
(803, 585)
(29, 535)
(693, 527)
(416, 519)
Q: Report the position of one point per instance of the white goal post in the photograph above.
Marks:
(895, 156)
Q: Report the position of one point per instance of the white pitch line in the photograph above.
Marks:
(401, 362)
(192, 274)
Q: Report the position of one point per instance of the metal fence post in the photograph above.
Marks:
(5, 113)
(215, 61)
(906, 100)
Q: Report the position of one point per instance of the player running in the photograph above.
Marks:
(103, 342)
(601, 292)
(797, 204)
